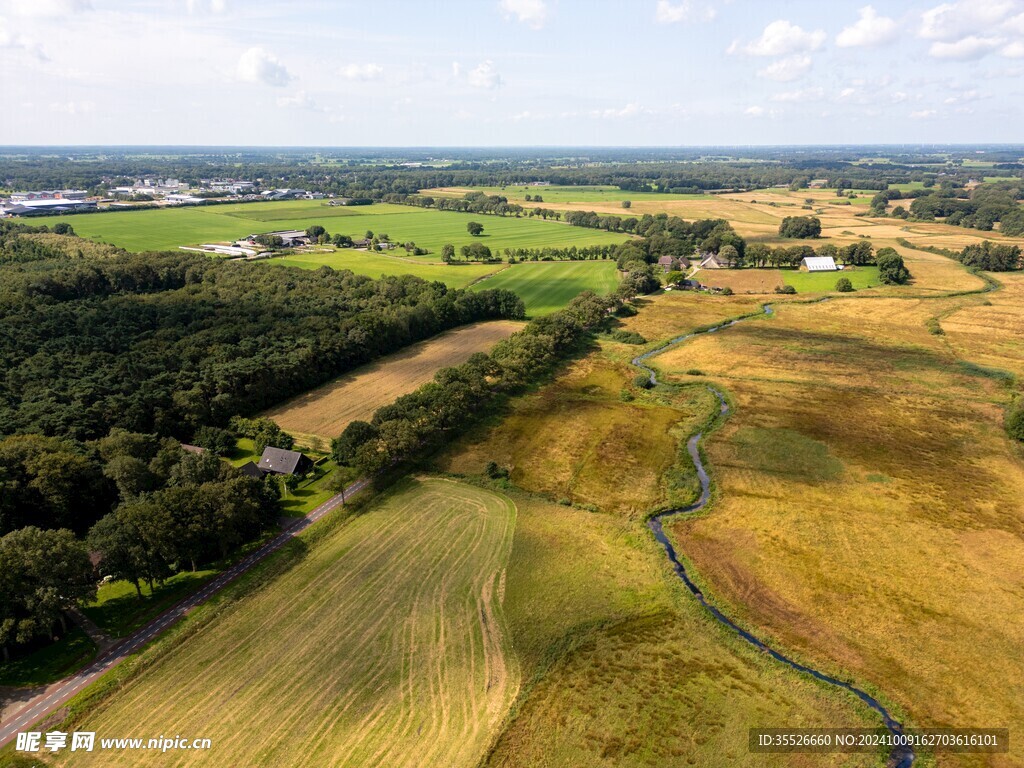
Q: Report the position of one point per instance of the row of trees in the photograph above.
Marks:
(572, 253)
(992, 257)
(418, 422)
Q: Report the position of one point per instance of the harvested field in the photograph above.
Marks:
(325, 411)
(384, 645)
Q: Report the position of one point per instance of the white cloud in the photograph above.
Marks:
(456, 69)
(686, 10)
(951, 21)
(258, 66)
(787, 69)
(870, 29)
(484, 75)
(362, 71)
(531, 12)
(298, 100)
(923, 114)
(73, 107)
(899, 97)
(971, 47)
(206, 6)
(15, 40)
(1014, 50)
(46, 8)
(630, 110)
(754, 111)
(780, 38)
(804, 95)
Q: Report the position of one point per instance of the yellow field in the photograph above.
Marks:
(385, 645)
(869, 513)
(324, 412)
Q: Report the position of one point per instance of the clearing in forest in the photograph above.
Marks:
(384, 644)
(324, 412)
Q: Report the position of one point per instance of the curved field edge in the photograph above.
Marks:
(383, 642)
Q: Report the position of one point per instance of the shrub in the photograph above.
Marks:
(626, 396)
(495, 472)
(786, 289)
(695, 372)
(628, 337)
(643, 381)
(843, 285)
(565, 502)
(1015, 421)
(727, 291)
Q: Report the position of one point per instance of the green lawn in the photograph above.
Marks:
(807, 282)
(580, 194)
(118, 611)
(166, 229)
(51, 662)
(547, 286)
(377, 264)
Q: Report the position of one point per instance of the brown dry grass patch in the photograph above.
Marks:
(887, 567)
(325, 411)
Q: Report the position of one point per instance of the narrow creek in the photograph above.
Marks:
(900, 757)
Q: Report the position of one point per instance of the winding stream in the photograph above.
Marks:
(901, 757)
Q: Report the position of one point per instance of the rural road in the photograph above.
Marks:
(900, 757)
(58, 694)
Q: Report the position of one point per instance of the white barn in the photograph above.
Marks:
(819, 264)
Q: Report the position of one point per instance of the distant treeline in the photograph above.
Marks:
(981, 208)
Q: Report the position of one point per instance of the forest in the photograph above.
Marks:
(170, 342)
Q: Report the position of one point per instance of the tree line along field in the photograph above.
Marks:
(168, 228)
(324, 412)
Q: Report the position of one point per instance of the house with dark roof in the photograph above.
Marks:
(278, 461)
(251, 470)
(712, 261)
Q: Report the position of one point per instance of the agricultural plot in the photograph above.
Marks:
(823, 282)
(168, 228)
(325, 411)
(857, 432)
(566, 194)
(548, 286)
(385, 644)
(377, 264)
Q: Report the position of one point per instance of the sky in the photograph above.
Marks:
(510, 72)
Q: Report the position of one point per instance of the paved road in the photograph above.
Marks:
(58, 694)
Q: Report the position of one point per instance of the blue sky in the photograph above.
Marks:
(510, 72)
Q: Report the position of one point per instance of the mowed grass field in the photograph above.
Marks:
(865, 489)
(385, 645)
(168, 228)
(547, 286)
(324, 412)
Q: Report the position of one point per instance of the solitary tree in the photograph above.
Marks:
(627, 204)
(475, 228)
(447, 253)
(843, 285)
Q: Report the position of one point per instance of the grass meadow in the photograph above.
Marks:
(555, 194)
(168, 228)
(864, 488)
(324, 412)
(384, 644)
(547, 286)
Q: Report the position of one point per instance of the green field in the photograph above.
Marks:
(377, 264)
(807, 282)
(166, 229)
(547, 286)
(574, 194)
(384, 644)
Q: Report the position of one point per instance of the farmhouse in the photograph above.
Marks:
(289, 238)
(711, 261)
(278, 461)
(665, 262)
(251, 470)
(818, 264)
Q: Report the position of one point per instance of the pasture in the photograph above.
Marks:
(547, 286)
(384, 644)
(324, 412)
(377, 264)
(566, 194)
(168, 228)
(823, 282)
(864, 487)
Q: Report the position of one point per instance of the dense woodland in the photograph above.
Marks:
(169, 342)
